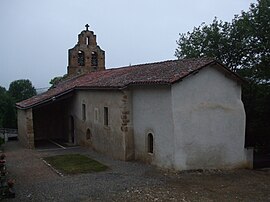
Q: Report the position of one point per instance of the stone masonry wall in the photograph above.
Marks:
(25, 128)
(127, 125)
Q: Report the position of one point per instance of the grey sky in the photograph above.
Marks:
(36, 34)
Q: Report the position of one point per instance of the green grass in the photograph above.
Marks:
(75, 164)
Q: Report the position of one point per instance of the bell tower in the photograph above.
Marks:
(86, 56)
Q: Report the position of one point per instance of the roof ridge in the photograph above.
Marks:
(141, 64)
(160, 62)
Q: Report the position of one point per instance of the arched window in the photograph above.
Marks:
(88, 134)
(81, 58)
(150, 140)
(94, 59)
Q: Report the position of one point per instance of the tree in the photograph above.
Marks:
(21, 89)
(18, 90)
(207, 40)
(244, 46)
(3, 96)
(254, 27)
(10, 115)
(7, 110)
(56, 80)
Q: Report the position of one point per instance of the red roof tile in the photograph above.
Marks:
(166, 72)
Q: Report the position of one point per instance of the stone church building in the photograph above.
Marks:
(176, 114)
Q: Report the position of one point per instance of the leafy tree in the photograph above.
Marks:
(244, 46)
(3, 96)
(207, 40)
(21, 89)
(56, 80)
(18, 90)
(2, 90)
(7, 110)
(10, 115)
(254, 27)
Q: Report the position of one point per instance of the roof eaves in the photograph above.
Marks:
(97, 87)
(149, 83)
(52, 98)
(234, 74)
(212, 63)
(192, 72)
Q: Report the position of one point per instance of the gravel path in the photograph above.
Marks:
(35, 181)
(128, 181)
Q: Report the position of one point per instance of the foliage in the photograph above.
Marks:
(21, 89)
(256, 99)
(18, 91)
(2, 141)
(7, 110)
(10, 115)
(244, 46)
(253, 28)
(3, 96)
(56, 80)
(75, 163)
(207, 40)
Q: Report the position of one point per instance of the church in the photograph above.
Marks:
(175, 114)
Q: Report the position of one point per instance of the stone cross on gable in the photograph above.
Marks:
(87, 26)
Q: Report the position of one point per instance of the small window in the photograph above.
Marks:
(106, 116)
(87, 40)
(94, 59)
(83, 112)
(96, 115)
(150, 140)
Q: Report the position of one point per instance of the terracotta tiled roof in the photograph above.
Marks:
(166, 72)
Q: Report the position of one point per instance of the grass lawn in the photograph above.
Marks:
(74, 164)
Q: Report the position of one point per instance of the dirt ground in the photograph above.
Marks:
(214, 185)
(129, 181)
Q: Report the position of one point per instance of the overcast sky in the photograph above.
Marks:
(36, 34)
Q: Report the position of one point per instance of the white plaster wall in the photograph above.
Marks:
(152, 112)
(209, 121)
(106, 139)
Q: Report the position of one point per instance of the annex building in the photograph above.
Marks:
(176, 114)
